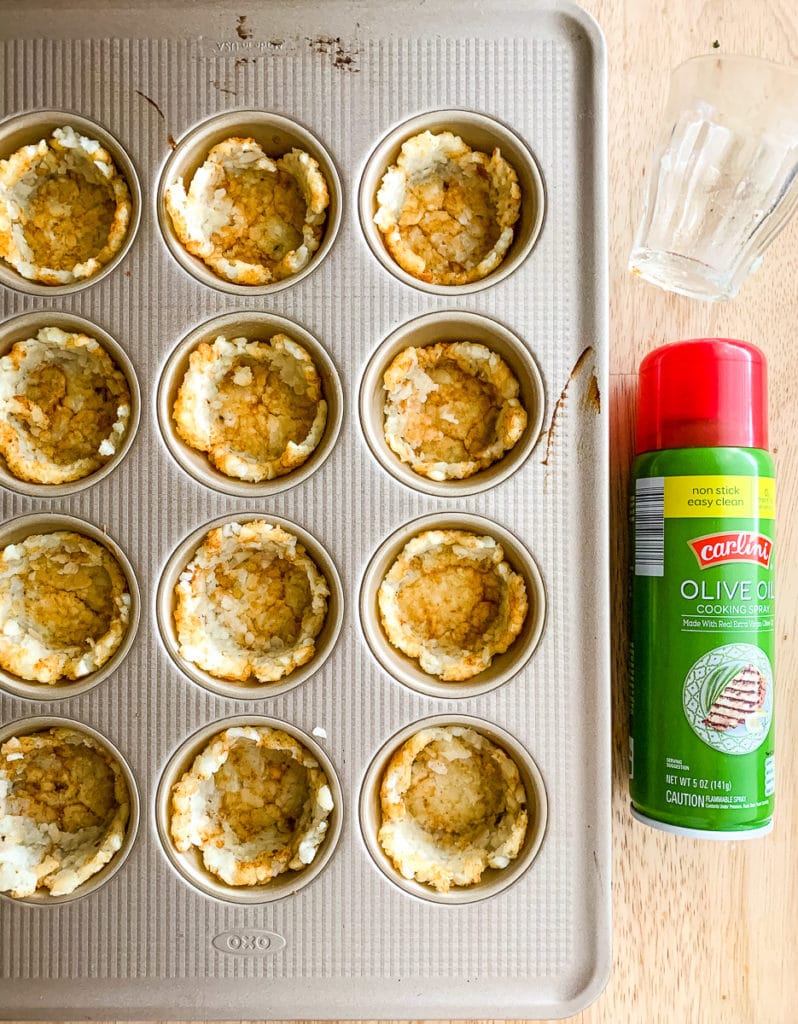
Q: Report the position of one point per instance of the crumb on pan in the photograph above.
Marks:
(453, 804)
(250, 603)
(65, 209)
(255, 803)
(447, 212)
(251, 219)
(256, 407)
(451, 409)
(64, 606)
(64, 807)
(451, 601)
(64, 407)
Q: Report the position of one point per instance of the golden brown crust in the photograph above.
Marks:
(64, 806)
(451, 601)
(255, 803)
(453, 805)
(446, 211)
(251, 219)
(256, 407)
(64, 606)
(65, 209)
(451, 409)
(250, 603)
(64, 407)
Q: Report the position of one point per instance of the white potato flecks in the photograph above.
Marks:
(256, 407)
(453, 804)
(252, 219)
(255, 803)
(250, 603)
(65, 209)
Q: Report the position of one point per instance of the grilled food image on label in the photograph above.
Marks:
(741, 697)
(64, 807)
(64, 606)
(255, 803)
(452, 601)
(447, 212)
(250, 218)
(256, 407)
(64, 208)
(451, 409)
(250, 603)
(453, 805)
(64, 407)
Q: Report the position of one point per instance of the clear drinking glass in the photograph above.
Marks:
(724, 177)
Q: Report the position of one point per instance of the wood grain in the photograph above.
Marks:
(703, 932)
(694, 922)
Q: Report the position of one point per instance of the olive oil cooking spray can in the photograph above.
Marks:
(703, 521)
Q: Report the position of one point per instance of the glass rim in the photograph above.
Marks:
(788, 70)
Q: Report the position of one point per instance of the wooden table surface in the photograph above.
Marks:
(703, 932)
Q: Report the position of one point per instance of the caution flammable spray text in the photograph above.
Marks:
(703, 519)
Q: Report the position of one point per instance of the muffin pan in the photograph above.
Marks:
(346, 937)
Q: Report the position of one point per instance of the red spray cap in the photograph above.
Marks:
(708, 393)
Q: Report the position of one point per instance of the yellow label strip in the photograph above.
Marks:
(704, 497)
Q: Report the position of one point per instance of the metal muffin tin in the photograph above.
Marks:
(349, 938)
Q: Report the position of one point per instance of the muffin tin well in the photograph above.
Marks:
(16, 530)
(493, 881)
(189, 865)
(407, 670)
(30, 127)
(481, 133)
(325, 641)
(443, 326)
(27, 325)
(277, 135)
(39, 723)
(254, 326)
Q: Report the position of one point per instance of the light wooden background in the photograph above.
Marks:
(703, 932)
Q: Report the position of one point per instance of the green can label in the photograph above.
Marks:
(703, 638)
